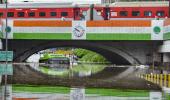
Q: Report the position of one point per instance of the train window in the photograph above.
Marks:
(10, 14)
(123, 13)
(84, 13)
(1, 14)
(135, 13)
(31, 14)
(160, 13)
(113, 13)
(64, 13)
(147, 13)
(99, 12)
(20, 14)
(41, 14)
(53, 13)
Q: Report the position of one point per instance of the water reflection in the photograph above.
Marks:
(64, 70)
(85, 75)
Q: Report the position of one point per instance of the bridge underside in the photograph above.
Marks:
(117, 52)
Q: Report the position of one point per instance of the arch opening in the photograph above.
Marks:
(114, 55)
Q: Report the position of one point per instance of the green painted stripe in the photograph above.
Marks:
(117, 36)
(66, 36)
(90, 36)
(166, 36)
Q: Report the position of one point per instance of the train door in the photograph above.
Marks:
(106, 13)
(76, 13)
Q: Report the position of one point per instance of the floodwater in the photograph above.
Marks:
(86, 81)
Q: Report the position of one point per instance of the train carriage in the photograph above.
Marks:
(119, 10)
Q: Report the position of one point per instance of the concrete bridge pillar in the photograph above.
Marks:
(166, 57)
(165, 49)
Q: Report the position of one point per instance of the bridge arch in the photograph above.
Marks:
(112, 54)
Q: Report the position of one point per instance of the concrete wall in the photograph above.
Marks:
(166, 57)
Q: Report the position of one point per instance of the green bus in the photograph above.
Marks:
(54, 59)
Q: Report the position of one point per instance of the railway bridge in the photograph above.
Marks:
(120, 41)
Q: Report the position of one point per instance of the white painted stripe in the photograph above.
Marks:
(42, 29)
(99, 30)
(118, 30)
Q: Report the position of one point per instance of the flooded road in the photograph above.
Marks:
(87, 75)
(99, 82)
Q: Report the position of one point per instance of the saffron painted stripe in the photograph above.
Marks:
(111, 30)
(166, 36)
(42, 23)
(120, 23)
(42, 29)
(62, 36)
(57, 23)
(118, 36)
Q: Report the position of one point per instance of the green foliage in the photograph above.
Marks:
(80, 52)
(45, 57)
(89, 56)
(94, 68)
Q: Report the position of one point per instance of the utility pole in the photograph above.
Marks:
(6, 49)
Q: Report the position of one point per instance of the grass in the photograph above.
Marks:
(95, 91)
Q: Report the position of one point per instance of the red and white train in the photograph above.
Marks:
(118, 10)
